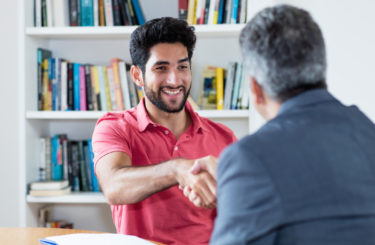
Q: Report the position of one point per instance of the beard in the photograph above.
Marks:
(156, 99)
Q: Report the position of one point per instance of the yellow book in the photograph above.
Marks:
(220, 88)
(118, 89)
(96, 86)
(107, 91)
(47, 91)
(191, 12)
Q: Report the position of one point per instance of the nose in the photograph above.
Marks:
(172, 77)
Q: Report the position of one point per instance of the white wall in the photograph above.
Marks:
(9, 215)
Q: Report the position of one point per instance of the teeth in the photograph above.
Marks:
(171, 92)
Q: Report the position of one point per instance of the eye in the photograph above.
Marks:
(161, 68)
(183, 67)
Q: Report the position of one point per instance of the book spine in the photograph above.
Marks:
(88, 92)
(82, 164)
(52, 80)
(117, 85)
(116, 13)
(234, 12)
(58, 83)
(96, 12)
(38, 13)
(90, 186)
(124, 85)
(237, 85)
(107, 89)
(94, 100)
(132, 13)
(64, 150)
(138, 12)
(101, 13)
(73, 15)
(112, 91)
(108, 12)
(87, 14)
(123, 13)
(49, 9)
(220, 88)
(82, 88)
(76, 89)
(56, 166)
(95, 72)
(48, 158)
(42, 161)
(70, 87)
(94, 178)
(64, 85)
(182, 9)
(229, 85)
(103, 97)
(75, 167)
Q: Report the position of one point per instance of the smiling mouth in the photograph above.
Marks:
(172, 91)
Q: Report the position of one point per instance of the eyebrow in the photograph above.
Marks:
(161, 62)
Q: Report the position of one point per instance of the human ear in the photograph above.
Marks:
(257, 91)
(137, 75)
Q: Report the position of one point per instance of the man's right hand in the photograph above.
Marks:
(202, 185)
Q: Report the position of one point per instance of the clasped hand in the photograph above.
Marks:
(199, 185)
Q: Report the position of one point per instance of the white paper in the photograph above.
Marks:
(96, 239)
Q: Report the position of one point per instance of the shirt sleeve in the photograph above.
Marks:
(248, 204)
(110, 136)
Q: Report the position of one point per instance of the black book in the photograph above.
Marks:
(82, 167)
(70, 96)
(75, 166)
(73, 12)
(123, 13)
(44, 13)
(89, 102)
(132, 13)
(116, 13)
(70, 164)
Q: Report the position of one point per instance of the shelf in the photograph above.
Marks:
(79, 32)
(79, 197)
(94, 115)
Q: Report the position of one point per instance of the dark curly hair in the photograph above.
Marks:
(160, 30)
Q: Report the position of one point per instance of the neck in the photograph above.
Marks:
(177, 122)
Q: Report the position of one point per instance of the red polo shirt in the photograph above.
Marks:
(167, 216)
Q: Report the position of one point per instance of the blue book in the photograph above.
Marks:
(237, 86)
(88, 167)
(76, 86)
(52, 80)
(94, 178)
(221, 12)
(87, 13)
(138, 12)
(234, 12)
(56, 166)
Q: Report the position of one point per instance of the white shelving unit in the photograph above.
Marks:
(216, 45)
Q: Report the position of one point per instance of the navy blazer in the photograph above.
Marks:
(306, 177)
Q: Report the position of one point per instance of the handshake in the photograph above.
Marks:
(198, 181)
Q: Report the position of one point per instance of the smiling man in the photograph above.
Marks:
(143, 154)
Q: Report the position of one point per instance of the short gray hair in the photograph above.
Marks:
(283, 49)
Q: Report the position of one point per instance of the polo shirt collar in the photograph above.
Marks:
(144, 120)
(307, 98)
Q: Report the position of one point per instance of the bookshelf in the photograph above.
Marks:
(216, 45)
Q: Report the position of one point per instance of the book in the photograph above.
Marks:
(117, 84)
(82, 89)
(231, 72)
(73, 12)
(82, 167)
(191, 12)
(64, 191)
(87, 12)
(70, 96)
(236, 87)
(89, 88)
(219, 88)
(106, 89)
(182, 9)
(138, 12)
(56, 164)
(116, 13)
(49, 185)
(111, 84)
(75, 167)
(96, 85)
(42, 157)
(42, 54)
(76, 87)
(95, 182)
(101, 13)
(37, 13)
(124, 85)
(96, 12)
(60, 13)
(207, 93)
(103, 94)
(108, 12)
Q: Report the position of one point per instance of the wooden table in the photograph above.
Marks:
(31, 236)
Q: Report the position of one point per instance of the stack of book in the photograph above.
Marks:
(49, 13)
(71, 86)
(49, 188)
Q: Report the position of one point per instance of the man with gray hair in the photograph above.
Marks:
(308, 175)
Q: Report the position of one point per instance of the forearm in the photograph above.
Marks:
(132, 184)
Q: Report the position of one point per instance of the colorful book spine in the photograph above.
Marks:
(117, 83)
(106, 89)
(138, 12)
(56, 166)
(87, 13)
(93, 175)
(103, 96)
(82, 88)
(76, 85)
(220, 88)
